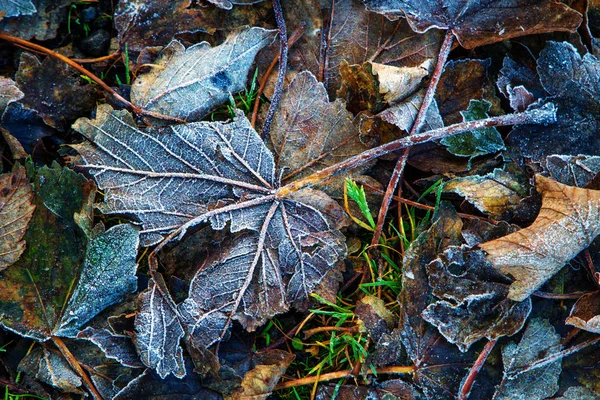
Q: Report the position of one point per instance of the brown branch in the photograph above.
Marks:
(309, 380)
(297, 34)
(419, 119)
(130, 106)
(97, 60)
(310, 332)
(283, 56)
(559, 296)
(536, 116)
(76, 366)
(467, 384)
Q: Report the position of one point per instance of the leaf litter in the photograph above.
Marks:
(251, 231)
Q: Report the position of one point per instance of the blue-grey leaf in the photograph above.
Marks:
(189, 83)
(107, 275)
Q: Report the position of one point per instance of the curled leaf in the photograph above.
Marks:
(567, 224)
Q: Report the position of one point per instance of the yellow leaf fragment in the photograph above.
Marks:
(567, 223)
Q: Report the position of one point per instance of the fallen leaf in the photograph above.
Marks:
(472, 299)
(476, 23)
(50, 367)
(475, 143)
(358, 36)
(360, 88)
(578, 393)
(496, 194)
(520, 84)
(117, 347)
(310, 133)
(567, 224)
(41, 24)
(158, 332)
(282, 248)
(577, 170)
(404, 113)
(259, 382)
(54, 90)
(573, 83)
(585, 314)
(228, 4)
(16, 210)
(539, 340)
(146, 23)
(39, 302)
(9, 92)
(17, 8)
(189, 83)
(397, 83)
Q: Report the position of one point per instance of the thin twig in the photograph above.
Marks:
(283, 56)
(310, 332)
(130, 106)
(419, 119)
(297, 34)
(536, 116)
(309, 380)
(467, 384)
(116, 54)
(76, 366)
(559, 296)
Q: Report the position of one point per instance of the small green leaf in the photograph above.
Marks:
(475, 143)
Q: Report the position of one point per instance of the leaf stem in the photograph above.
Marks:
(297, 34)
(343, 374)
(130, 106)
(283, 56)
(419, 119)
(547, 114)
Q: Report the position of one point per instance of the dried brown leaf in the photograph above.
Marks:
(310, 133)
(585, 314)
(16, 209)
(479, 22)
(258, 383)
(566, 224)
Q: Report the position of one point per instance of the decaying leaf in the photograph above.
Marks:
(573, 83)
(158, 332)
(54, 90)
(9, 92)
(472, 297)
(40, 23)
(145, 23)
(585, 314)
(39, 302)
(397, 83)
(566, 224)
(16, 209)
(404, 113)
(539, 340)
(228, 4)
(497, 194)
(476, 23)
(189, 83)
(358, 36)
(309, 133)
(576, 170)
(476, 143)
(520, 84)
(360, 88)
(258, 383)
(117, 347)
(12, 8)
(50, 367)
